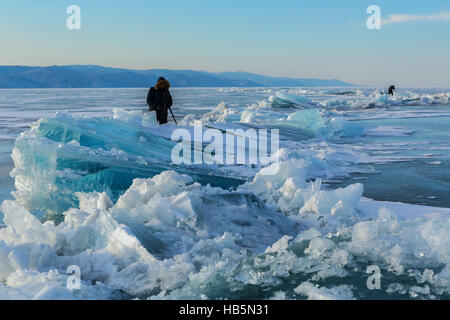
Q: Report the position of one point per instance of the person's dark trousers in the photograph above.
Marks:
(161, 114)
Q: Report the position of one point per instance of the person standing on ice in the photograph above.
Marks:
(159, 99)
(391, 90)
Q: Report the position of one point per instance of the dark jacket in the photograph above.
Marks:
(391, 90)
(159, 95)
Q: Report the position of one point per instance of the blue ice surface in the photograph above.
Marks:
(422, 174)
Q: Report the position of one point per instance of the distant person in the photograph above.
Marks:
(160, 100)
(391, 90)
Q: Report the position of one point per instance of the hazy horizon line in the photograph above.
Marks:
(156, 68)
(218, 72)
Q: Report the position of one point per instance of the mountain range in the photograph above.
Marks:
(90, 76)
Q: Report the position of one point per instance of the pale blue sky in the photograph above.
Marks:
(321, 39)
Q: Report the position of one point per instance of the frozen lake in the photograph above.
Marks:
(86, 179)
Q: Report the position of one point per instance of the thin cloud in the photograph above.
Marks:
(401, 18)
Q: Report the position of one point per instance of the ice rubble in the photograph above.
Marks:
(318, 123)
(222, 113)
(305, 202)
(299, 99)
(324, 126)
(314, 292)
(225, 113)
(64, 154)
(283, 99)
(170, 238)
(409, 99)
(159, 231)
